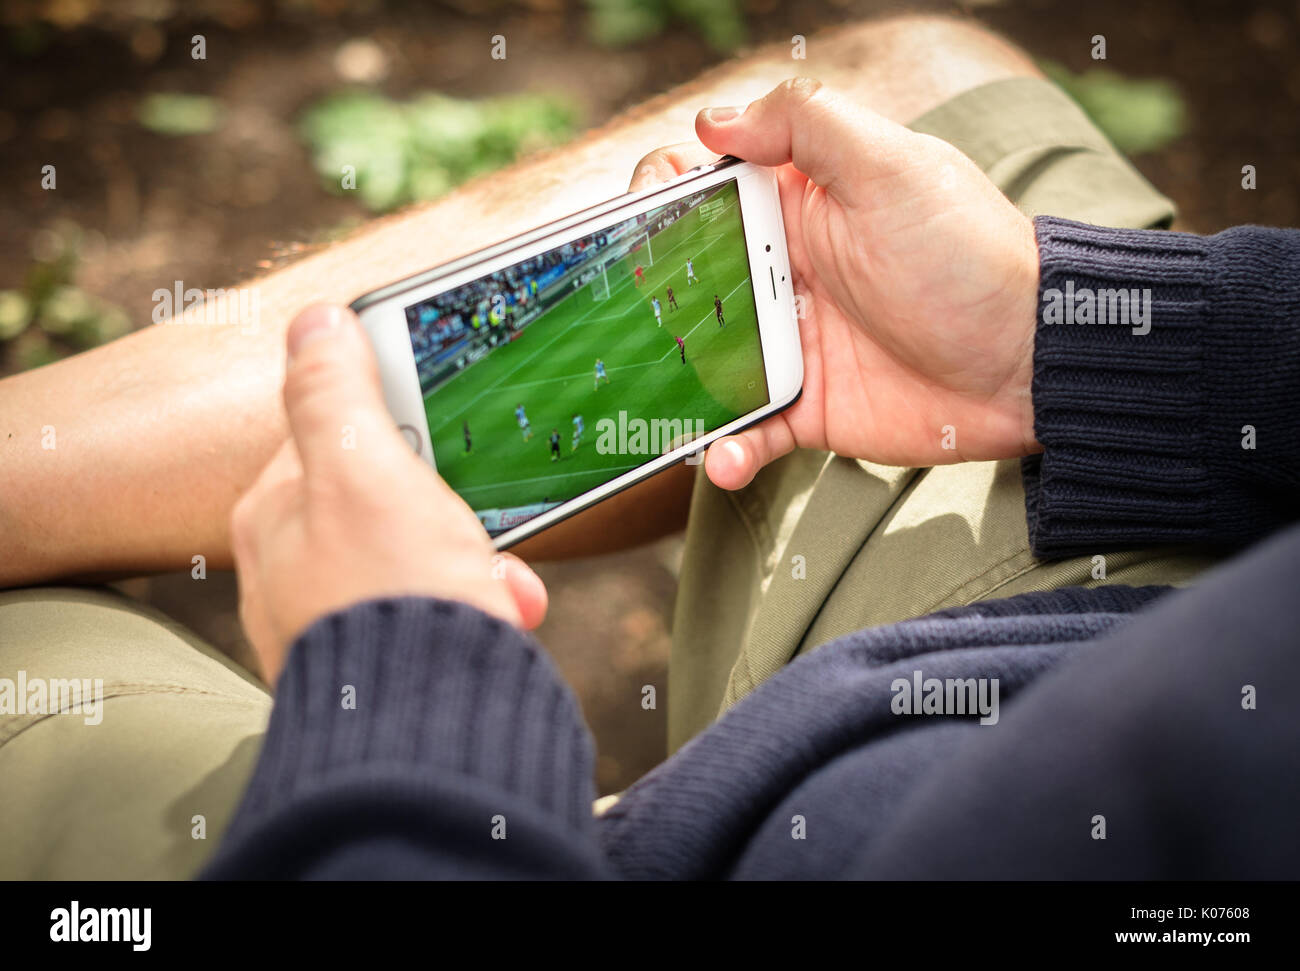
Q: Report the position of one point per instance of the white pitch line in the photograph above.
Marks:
(570, 377)
(495, 386)
(713, 313)
(550, 478)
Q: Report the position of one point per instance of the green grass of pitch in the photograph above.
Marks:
(550, 368)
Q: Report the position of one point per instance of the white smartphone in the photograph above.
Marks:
(546, 373)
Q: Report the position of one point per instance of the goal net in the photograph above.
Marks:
(621, 266)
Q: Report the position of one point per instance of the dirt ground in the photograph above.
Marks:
(213, 208)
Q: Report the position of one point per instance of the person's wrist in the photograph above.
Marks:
(1023, 309)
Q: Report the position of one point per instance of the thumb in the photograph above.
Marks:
(332, 392)
(835, 142)
(525, 586)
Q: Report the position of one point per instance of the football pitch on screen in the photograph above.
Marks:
(550, 369)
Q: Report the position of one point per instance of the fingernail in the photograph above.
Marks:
(312, 324)
(718, 116)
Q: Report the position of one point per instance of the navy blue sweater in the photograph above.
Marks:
(1165, 717)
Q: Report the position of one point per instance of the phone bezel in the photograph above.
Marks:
(382, 312)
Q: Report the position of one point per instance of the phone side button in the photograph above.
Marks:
(412, 437)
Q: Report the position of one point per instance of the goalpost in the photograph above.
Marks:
(617, 268)
(642, 240)
(600, 286)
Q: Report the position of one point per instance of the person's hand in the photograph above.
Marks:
(346, 512)
(918, 283)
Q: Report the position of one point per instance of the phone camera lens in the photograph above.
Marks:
(768, 248)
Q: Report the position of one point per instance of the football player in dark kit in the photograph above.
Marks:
(682, 344)
(555, 445)
(672, 301)
(469, 444)
(717, 309)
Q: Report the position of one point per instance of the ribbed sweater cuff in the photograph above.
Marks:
(1142, 432)
(422, 687)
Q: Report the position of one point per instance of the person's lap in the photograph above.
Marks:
(815, 547)
(142, 786)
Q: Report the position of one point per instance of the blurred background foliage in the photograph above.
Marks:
(49, 316)
(372, 142)
(168, 113)
(402, 152)
(618, 23)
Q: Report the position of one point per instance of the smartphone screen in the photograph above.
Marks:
(547, 379)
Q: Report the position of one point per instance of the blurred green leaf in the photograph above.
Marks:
(620, 23)
(400, 152)
(179, 114)
(66, 308)
(720, 22)
(1137, 115)
(108, 323)
(33, 349)
(68, 318)
(15, 314)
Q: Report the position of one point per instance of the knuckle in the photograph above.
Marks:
(651, 159)
(800, 91)
(654, 167)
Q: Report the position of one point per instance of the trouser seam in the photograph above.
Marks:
(132, 692)
(946, 598)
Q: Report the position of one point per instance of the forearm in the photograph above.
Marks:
(1177, 424)
(154, 436)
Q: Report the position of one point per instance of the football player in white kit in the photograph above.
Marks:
(578, 429)
(522, 418)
